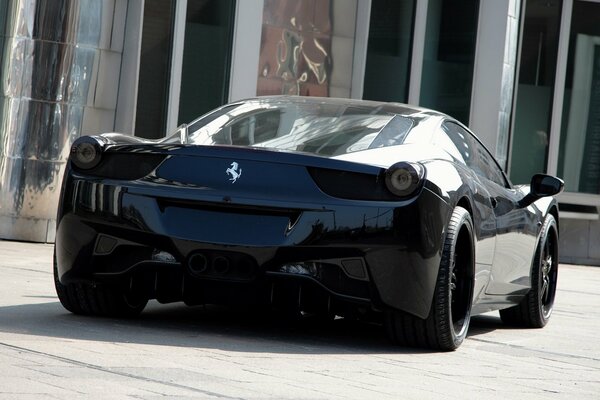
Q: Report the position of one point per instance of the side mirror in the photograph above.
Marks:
(542, 185)
(546, 185)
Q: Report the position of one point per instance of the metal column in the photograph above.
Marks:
(59, 76)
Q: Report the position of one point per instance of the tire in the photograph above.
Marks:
(98, 300)
(446, 326)
(536, 307)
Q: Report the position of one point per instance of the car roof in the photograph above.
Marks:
(391, 107)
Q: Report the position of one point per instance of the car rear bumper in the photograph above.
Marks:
(198, 251)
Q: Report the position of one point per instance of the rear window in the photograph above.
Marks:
(311, 126)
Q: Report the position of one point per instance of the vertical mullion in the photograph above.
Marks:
(130, 69)
(361, 44)
(559, 86)
(245, 49)
(176, 64)
(418, 49)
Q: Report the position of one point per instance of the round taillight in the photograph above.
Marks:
(404, 179)
(86, 152)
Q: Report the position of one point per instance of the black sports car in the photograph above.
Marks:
(312, 205)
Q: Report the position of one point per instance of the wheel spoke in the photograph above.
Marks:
(545, 291)
(546, 267)
(453, 280)
(547, 272)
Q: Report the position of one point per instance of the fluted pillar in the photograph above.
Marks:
(59, 77)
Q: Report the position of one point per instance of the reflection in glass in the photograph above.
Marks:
(537, 70)
(389, 50)
(579, 155)
(307, 47)
(466, 149)
(449, 56)
(312, 127)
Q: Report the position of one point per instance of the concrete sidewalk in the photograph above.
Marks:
(182, 352)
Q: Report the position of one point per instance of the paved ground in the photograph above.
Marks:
(176, 352)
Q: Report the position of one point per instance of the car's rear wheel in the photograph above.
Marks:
(101, 300)
(535, 308)
(446, 326)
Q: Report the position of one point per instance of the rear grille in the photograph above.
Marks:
(352, 185)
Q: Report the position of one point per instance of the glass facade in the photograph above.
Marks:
(389, 50)
(449, 56)
(579, 155)
(535, 89)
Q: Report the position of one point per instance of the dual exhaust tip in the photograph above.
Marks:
(201, 266)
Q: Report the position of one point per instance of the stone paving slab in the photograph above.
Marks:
(178, 352)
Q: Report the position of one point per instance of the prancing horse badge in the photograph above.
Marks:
(235, 171)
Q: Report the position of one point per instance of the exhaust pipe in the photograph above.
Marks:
(198, 264)
(221, 265)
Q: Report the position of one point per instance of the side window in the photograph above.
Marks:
(474, 153)
(455, 143)
(489, 166)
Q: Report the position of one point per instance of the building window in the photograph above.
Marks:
(389, 50)
(449, 55)
(533, 107)
(155, 68)
(579, 151)
(204, 65)
(206, 57)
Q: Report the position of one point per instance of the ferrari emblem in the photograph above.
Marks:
(235, 171)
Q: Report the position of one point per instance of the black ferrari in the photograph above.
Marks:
(318, 206)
